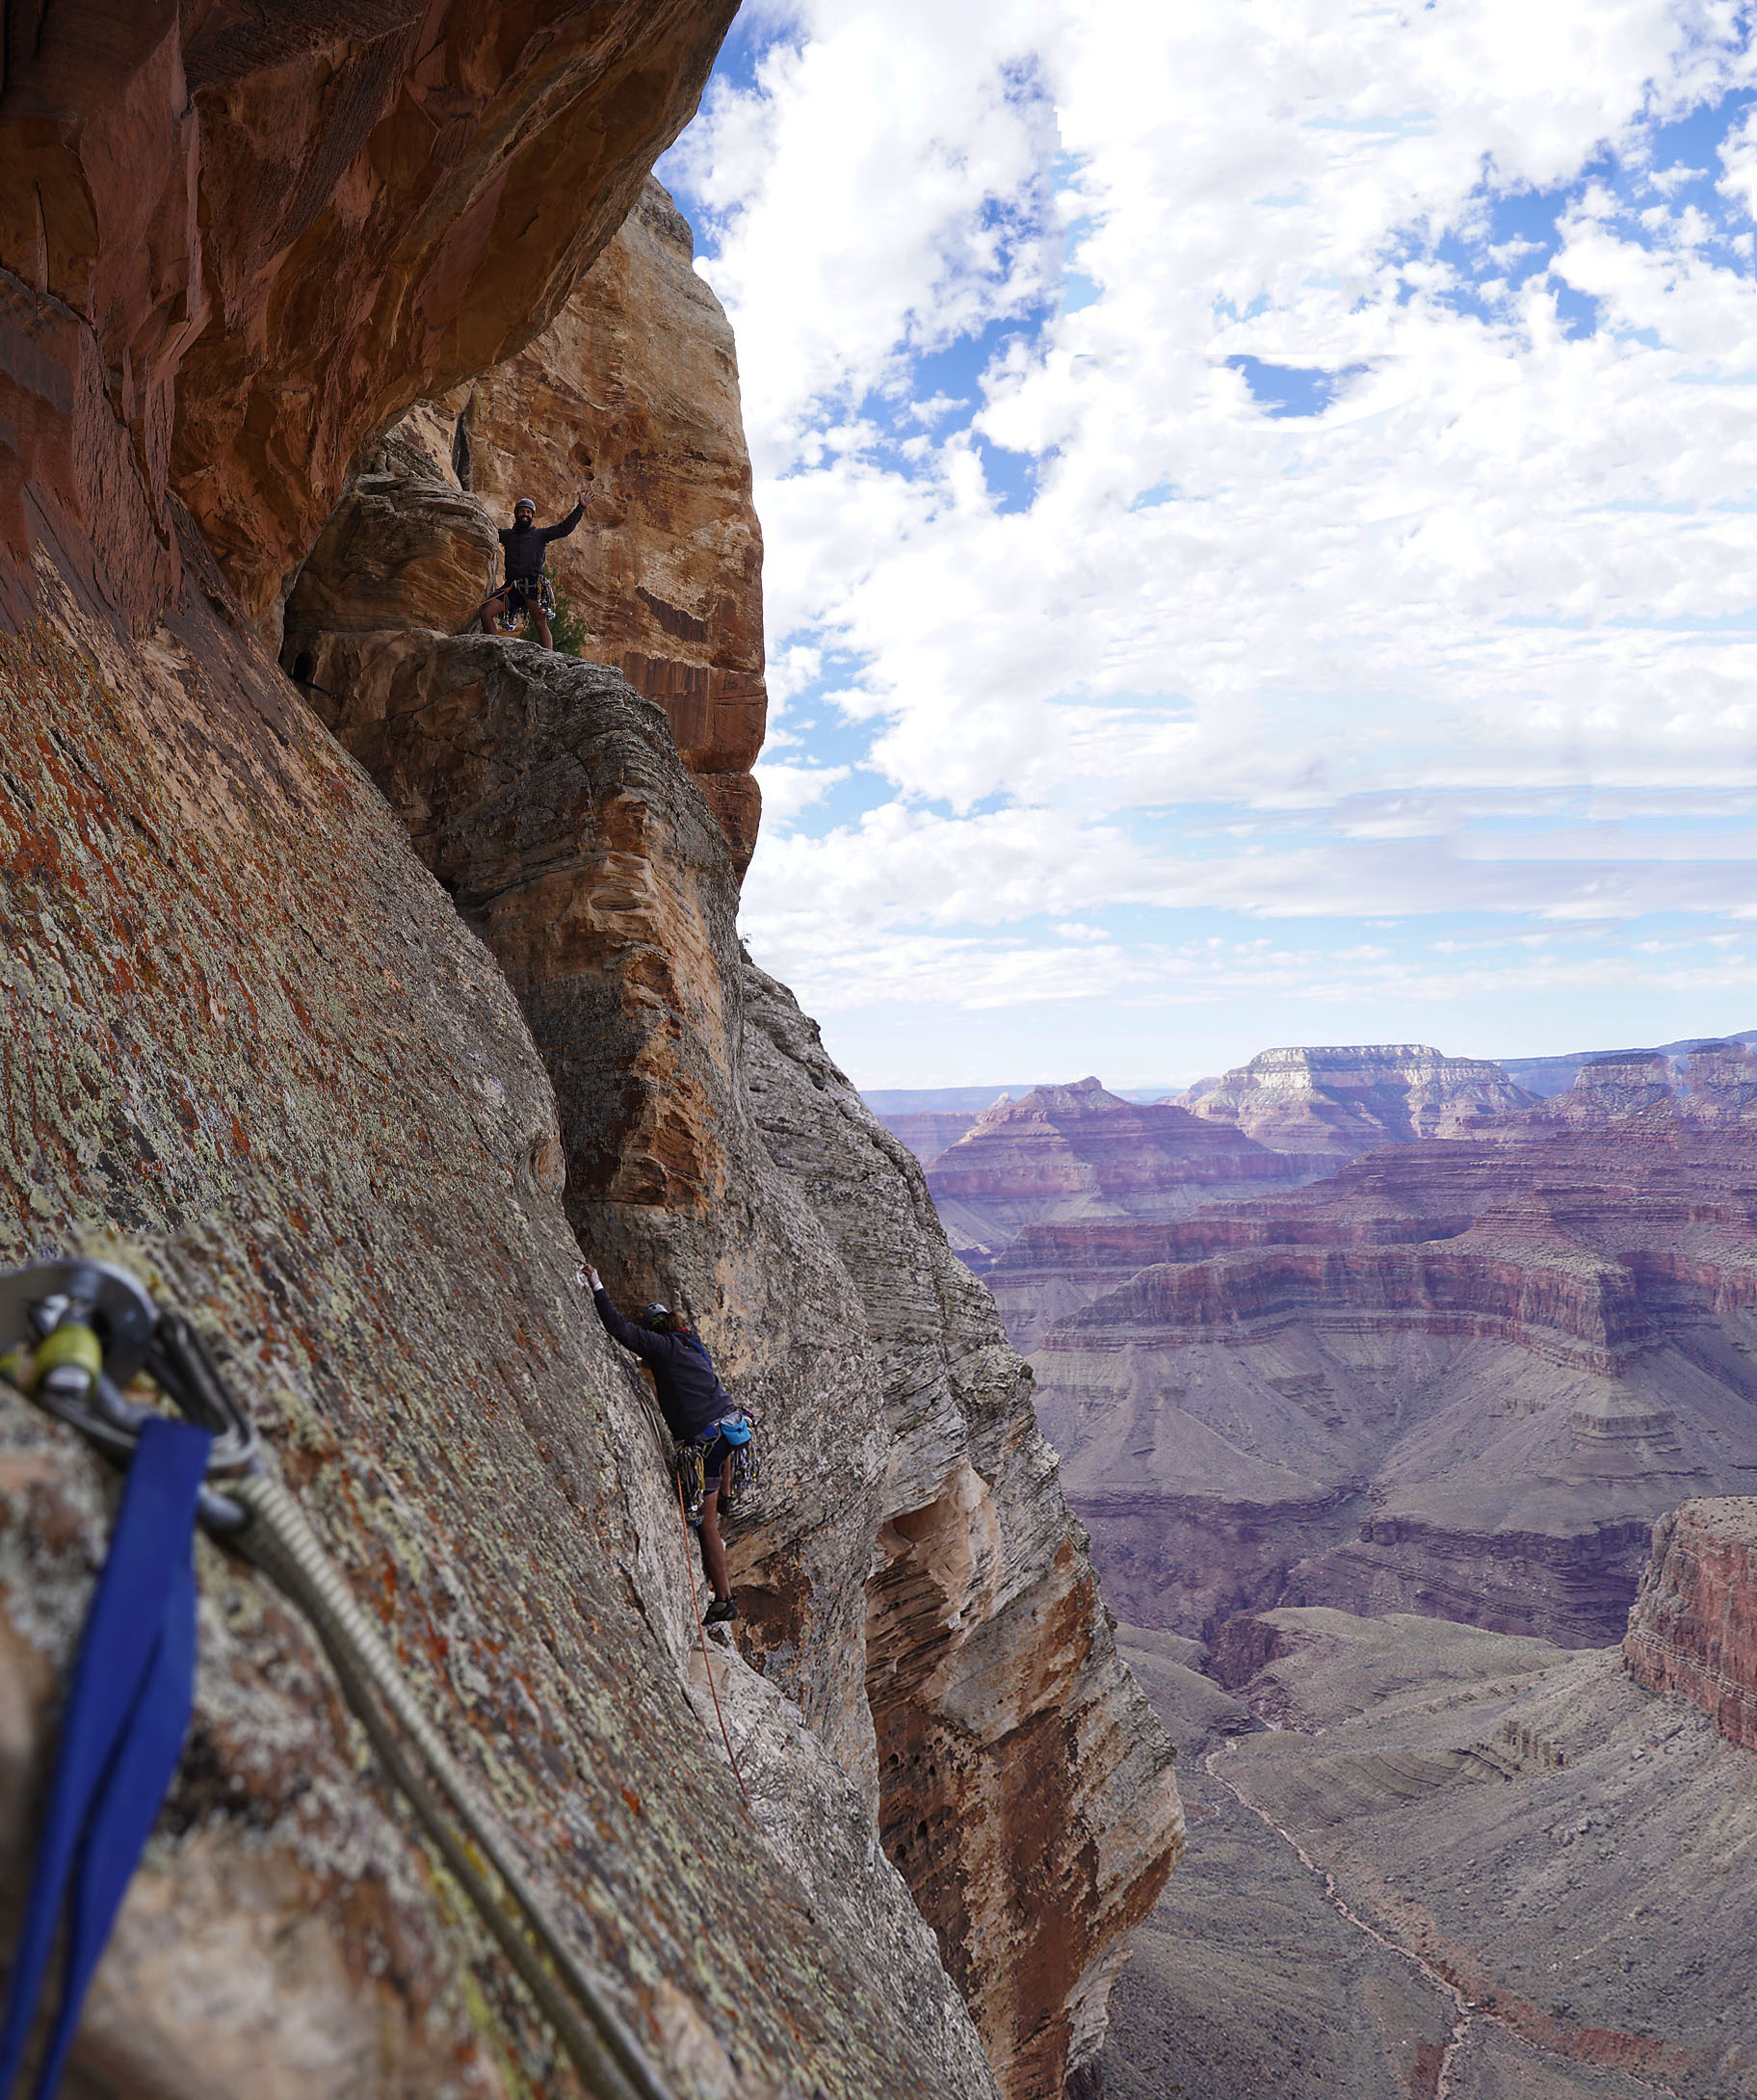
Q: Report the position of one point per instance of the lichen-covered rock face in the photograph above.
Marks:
(252, 1048)
(717, 1158)
(240, 239)
(1693, 1629)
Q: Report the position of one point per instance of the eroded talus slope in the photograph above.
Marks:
(1559, 1845)
(1462, 1378)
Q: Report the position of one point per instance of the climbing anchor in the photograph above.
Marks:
(73, 1333)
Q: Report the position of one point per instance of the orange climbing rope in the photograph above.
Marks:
(689, 1566)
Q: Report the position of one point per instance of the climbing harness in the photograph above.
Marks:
(74, 1332)
(525, 590)
(520, 594)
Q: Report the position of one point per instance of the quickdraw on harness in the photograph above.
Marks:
(74, 1332)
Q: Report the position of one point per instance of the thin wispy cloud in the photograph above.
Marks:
(1257, 469)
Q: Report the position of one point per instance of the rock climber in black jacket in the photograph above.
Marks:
(697, 1409)
(527, 587)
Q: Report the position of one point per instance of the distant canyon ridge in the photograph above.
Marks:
(1377, 1328)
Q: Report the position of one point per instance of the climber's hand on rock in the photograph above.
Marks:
(594, 1281)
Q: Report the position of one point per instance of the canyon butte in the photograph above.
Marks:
(1425, 1479)
(361, 974)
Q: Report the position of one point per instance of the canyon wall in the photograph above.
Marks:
(1693, 1629)
(347, 1081)
(1342, 1101)
(1462, 1378)
(1080, 1153)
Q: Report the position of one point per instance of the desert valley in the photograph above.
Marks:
(1378, 1380)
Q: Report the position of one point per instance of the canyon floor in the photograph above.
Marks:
(1429, 1862)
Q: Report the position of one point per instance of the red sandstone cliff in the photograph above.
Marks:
(255, 1051)
(1693, 1629)
(630, 391)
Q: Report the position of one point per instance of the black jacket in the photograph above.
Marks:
(691, 1396)
(525, 544)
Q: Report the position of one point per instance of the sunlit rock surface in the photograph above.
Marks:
(1339, 1102)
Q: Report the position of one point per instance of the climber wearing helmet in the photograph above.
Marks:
(527, 588)
(700, 1413)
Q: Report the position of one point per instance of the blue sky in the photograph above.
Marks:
(1261, 518)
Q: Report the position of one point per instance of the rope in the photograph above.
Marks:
(280, 1542)
(688, 1568)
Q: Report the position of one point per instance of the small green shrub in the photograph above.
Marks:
(568, 626)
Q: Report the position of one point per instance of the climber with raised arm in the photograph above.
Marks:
(527, 587)
(708, 1425)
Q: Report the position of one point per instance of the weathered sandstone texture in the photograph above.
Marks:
(1080, 1153)
(1693, 1629)
(715, 1157)
(1559, 1855)
(1463, 1377)
(255, 1049)
(1341, 1102)
(252, 1047)
(632, 391)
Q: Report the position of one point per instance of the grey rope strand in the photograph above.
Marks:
(280, 1542)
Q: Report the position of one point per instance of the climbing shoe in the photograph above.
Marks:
(719, 1610)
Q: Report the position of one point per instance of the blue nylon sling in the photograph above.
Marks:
(127, 1713)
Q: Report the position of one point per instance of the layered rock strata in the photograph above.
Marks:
(1693, 1629)
(1713, 1085)
(1462, 1378)
(1080, 1153)
(1340, 1102)
(715, 1158)
(254, 1050)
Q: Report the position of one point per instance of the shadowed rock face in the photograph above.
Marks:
(1462, 1377)
(1693, 1629)
(717, 1158)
